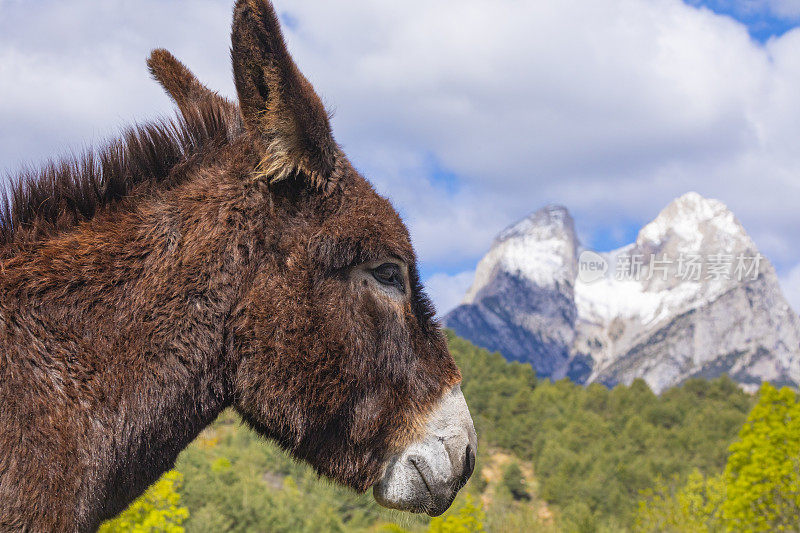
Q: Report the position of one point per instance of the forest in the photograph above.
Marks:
(553, 456)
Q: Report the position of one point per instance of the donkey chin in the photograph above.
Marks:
(427, 475)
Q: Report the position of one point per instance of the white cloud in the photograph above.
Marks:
(610, 107)
(73, 73)
(447, 291)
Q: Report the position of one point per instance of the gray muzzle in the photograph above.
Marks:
(426, 476)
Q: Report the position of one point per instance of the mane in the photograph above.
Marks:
(38, 204)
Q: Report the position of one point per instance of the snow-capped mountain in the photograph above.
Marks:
(691, 296)
(522, 302)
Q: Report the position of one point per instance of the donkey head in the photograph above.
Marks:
(339, 358)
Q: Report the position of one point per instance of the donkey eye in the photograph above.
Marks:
(390, 274)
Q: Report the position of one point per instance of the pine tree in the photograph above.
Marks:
(515, 482)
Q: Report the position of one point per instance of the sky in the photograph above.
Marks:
(468, 115)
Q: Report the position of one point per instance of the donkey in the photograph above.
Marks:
(232, 257)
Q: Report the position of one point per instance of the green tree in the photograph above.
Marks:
(695, 507)
(467, 519)
(760, 488)
(763, 470)
(157, 510)
(515, 482)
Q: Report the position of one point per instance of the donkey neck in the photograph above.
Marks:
(123, 324)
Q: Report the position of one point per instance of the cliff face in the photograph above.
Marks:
(522, 302)
(691, 296)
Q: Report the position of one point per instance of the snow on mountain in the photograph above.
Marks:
(540, 249)
(691, 296)
(687, 220)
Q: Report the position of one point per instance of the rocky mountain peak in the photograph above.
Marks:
(548, 222)
(541, 248)
(693, 223)
(522, 300)
(691, 297)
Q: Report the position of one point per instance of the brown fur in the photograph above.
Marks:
(42, 203)
(198, 264)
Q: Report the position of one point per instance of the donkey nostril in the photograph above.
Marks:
(469, 464)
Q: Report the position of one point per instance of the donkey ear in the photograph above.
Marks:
(179, 82)
(277, 102)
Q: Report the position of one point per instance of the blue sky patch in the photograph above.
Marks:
(288, 20)
(760, 17)
(440, 176)
(607, 238)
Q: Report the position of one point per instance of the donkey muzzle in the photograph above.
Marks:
(426, 476)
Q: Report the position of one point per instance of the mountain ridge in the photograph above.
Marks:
(692, 295)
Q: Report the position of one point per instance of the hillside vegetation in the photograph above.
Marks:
(593, 449)
(552, 457)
